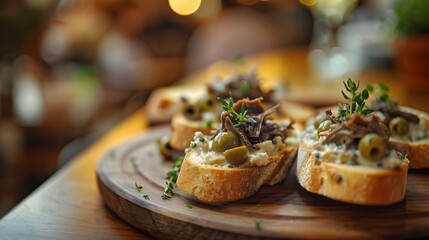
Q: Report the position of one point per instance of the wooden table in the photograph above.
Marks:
(69, 206)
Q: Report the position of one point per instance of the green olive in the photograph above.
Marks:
(191, 112)
(206, 103)
(236, 155)
(224, 141)
(164, 147)
(324, 126)
(372, 146)
(319, 119)
(398, 126)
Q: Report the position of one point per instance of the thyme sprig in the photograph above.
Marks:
(172, 178)
(356, 100)
(137, 186)
(238, 117)
(381, 90)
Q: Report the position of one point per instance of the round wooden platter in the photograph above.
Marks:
(284, 211)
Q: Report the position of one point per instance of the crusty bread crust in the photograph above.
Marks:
(182, 132)
(417, 152)
(210, 183)
(352, 184)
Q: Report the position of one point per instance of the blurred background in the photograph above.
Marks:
(70, 70)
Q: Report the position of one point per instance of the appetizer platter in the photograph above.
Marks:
(255, 176)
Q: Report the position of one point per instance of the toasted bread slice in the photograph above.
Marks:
(354, 184)
(417, 151)
(210, 183)
(183, 130)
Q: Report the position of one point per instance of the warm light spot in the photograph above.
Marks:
(184, 7)
(308, 2)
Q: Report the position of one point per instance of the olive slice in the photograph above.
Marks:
(398, 126)
(191, 112)
(164, 147)
(224, 141)
(319, 119)
(206, 103)
(236, 156)
(372, 146)
(324, 126)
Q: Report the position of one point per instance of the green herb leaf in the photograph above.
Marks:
(244, 88)
(193, 145)
(165, 196)
(209, 123)
(146, 197)
(366, 111)
(402, 156)
(138, 187)
(259, 205)
(257, 223)
(356, 100)
(189, 206)
(239, 118)
(383, 87)
(250, 120)
(238, 58)
(345, 96)
(172, 178)
(133, 162)
(365, 94)
(411, 139)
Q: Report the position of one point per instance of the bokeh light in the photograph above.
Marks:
(308, 2)
(184, 7)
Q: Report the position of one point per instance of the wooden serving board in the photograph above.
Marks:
(286, 209)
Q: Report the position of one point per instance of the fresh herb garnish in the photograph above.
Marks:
(411, 139)
(356, 100)
(209, 123)
(257, 223)
(138, 187)
(402, 156)
(133, 162)
(201, 139)
(189, 206)
(244, 87)
(172, 178)
(239, 58)
(165, 196)
(193, 145)
(338, 145)
(238, 117)
(146, 197)
(259, 205)
(381, 90)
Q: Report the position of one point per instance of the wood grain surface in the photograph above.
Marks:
(286, 209)
(69, 205)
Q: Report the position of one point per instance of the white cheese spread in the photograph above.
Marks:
(201, 152)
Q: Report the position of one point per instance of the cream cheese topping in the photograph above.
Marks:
(333, 153)
(202, 153)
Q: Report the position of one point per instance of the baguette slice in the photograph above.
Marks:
(183, 130)
(417, 151)
(354, 184)
(211, 183)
